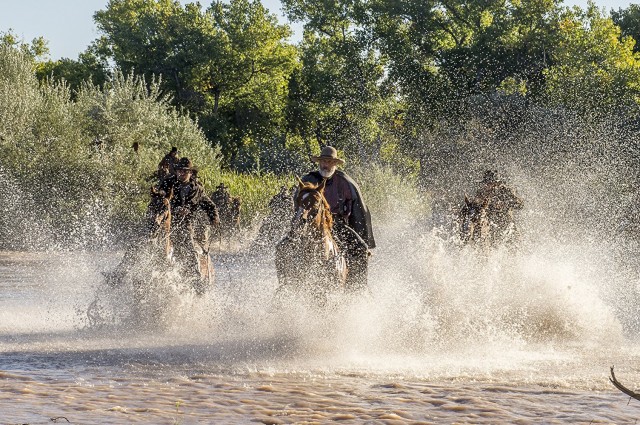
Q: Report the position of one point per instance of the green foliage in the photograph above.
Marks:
(88, 68)
(629, 22)
(75, 156)
(595, 69)
(37, 49)
(254, 190)
(228, 65)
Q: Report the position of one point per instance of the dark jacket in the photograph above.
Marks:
(360, 218)
(195, 199)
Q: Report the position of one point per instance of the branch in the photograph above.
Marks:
(621, 387)
(448, 31)
(456, 14)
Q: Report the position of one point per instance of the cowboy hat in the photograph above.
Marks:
(328, 153)
(185, 164)
(489, 176)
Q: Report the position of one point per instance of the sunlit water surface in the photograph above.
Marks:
(445, 335)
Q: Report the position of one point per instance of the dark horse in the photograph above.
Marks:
(482, 223)
(473, 221)
(159, 219)
(308, 259)
(154, 247)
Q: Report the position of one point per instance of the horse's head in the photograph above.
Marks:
(311, 207)
(159, 215)
(160, 206)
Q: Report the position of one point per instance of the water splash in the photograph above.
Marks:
(434, 306)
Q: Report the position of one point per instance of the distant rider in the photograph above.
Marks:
(166, 167)
(501, 202)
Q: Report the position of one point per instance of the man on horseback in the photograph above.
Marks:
(228, 211)
(221, 196)
(275, 225)
(501, 201)
(352, 221)
(188, 197)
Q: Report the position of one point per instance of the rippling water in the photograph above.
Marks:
(444, 336)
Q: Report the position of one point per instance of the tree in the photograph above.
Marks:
(89, 67)
(629, 22)
(37, 49)
(341, 87)
(595, 69)
(228, 65)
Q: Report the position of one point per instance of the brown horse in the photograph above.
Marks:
(153, 255)
(154, 247)
(473, 221)
(308, 258)
(159, 219)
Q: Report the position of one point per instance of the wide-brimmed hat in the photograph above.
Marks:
(185, 164)
(329, 153)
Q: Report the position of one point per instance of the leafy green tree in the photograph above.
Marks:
(422, 63)
(248, 83)
(228, 65)
(594, 68)
(37, 49)
(629, 22)
(338, 93)
(160, 38)
(89, 67)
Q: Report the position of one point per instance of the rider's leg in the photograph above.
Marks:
(357, 254)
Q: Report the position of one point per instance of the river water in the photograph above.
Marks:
(445, 335)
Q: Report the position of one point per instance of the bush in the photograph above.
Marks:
(75, 159)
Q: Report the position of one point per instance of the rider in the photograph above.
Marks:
(228, 210)
(501, 201)
(188, 198)
(274, 225)
(352, 220)
(221, 196)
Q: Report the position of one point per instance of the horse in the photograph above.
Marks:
(308, 260)
(159, 218)
(153, 256)
(481, 222)
(473, 222)
(229, 212)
